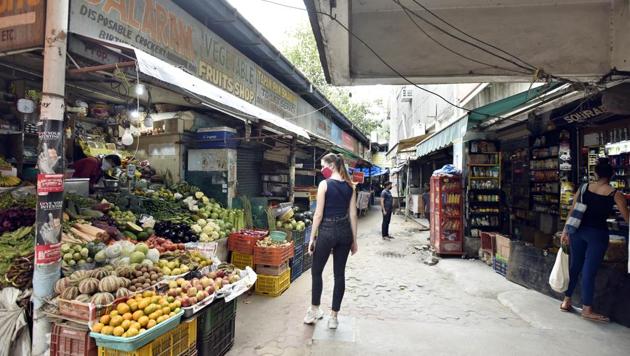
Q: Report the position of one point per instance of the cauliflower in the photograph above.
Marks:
(207, 229)
(202, 222)
(205, 200)
(204, 237)
(199, 195)
(177, 196)
(194, 208)
(196, 229)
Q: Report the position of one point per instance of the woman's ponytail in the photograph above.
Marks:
(338, 162)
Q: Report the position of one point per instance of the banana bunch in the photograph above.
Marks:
(9, 181)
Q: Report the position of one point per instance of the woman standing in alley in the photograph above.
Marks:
(334, 229)
(589, 243)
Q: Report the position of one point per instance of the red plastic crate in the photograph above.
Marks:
(273, 256)
(245, 240)
(69, 339)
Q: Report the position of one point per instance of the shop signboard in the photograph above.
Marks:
(581, 112)
(21, 24)
(336, 134)
(358, 177)
(164, 30)
(323, 126)
(348, 141)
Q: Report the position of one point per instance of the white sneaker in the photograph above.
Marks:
(313, 315)
(333, 323)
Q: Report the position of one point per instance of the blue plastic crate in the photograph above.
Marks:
(499, 265)
(298, 250)
(307, 234)
(130, 344)
(296, 267)
(307, 263)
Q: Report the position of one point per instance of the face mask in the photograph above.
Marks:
(105, 166)
(326, 172)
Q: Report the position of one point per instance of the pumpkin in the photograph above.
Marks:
(78, 276)
(61, 285)
(100, 273)
(125, 282)
(83, 298)
(69, 293)
(123, 292)
(110, 284)
(102, 299)
(88, 286)
(124, 271)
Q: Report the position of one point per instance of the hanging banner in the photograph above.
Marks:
(580, 112)
(49, 186)
(21, 24)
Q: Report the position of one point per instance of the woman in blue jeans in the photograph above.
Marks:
(334, 229)
(589, 243)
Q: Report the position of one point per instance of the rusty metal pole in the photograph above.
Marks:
(51, 167)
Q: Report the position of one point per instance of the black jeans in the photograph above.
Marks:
(334, 234)
(387, 218)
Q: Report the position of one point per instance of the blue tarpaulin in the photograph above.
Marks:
(373, 171)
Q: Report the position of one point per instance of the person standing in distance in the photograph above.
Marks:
(334, 229)
(387, 205)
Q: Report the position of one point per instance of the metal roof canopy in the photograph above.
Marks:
(573, 38)
(225, 21)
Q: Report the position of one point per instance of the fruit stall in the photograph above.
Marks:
(140, 274)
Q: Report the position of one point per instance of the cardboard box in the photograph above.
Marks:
(503, 246)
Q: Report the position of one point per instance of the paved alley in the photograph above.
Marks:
(396, 303)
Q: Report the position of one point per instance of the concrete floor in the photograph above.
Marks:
(396, 303)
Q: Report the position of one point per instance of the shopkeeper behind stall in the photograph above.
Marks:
(94, 167)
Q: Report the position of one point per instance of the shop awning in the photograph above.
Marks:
(373, 171)
(168, 73)
(410, 143)
(443, 138)
(209, 94)
(348, 154)
(510, 103)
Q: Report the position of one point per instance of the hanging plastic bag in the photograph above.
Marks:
(559, 277)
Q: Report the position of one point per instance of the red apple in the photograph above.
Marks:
(192, 292)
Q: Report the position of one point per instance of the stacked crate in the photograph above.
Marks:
(273, 259)
(216, 327)
(297, 261)
(241, 245)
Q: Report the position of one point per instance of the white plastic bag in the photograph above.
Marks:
(559, 277)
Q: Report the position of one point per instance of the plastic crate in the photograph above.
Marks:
(308, 262)
(220, 340)
(500, 265)
(245, 240)
(307, 234)
(296, 267)
(272, 270)
(69, 339)
(273, 256)
(134, 343)
(217, 313)
(241, 260)
(298, 250)
(273, 286)
(298, 237)
(181, 341)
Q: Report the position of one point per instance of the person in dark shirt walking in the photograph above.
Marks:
(386, 208)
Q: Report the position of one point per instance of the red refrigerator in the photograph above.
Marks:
(447, 202)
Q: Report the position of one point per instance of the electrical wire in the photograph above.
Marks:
(470, 36)
(527, 68)
(455, 52)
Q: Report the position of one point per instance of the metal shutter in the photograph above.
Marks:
(248, 161)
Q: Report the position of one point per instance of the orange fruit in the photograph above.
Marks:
(126, 324)
(142, 330)
(171, 314)
(105, 319)
(127, 316)
(113, 313)
(147, 293)
(107, 330)
(118, 331)
(97, 327)
(155, 300)
(132, 306)
(137, 314)
(116, 321)
(144, 320)
(166, 310)
(122, 308)
(151, 324)
(132, 332)
(154, 316)
(143, 304)
(135, 325)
